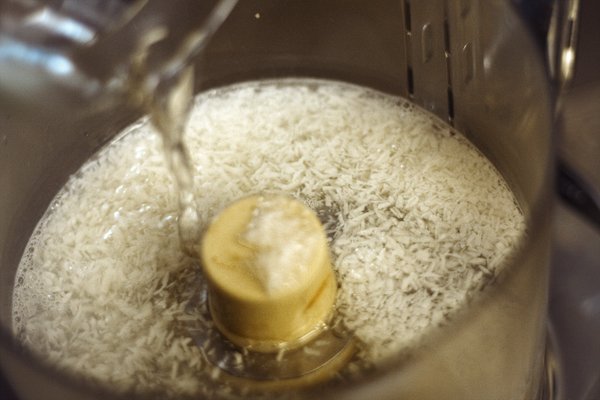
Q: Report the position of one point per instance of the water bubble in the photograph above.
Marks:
(108, 234)
(140, 152)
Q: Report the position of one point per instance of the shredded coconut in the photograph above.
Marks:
(418, 222)
(282, 239)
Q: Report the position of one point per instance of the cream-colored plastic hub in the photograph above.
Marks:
(267, 264)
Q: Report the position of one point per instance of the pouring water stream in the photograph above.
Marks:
(167, 95)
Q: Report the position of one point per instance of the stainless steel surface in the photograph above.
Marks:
(491, 50)
(575, 284)
(575, 305)
(575, 279)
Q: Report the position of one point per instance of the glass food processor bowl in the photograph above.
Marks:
(475, 64)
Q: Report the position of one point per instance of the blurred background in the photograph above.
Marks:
(575, 286)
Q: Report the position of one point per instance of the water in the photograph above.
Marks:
(169, 109)
(122, 309)
(166, 94)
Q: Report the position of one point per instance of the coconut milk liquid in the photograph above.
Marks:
(419, 222)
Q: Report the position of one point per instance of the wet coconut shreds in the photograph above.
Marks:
(418, 222)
